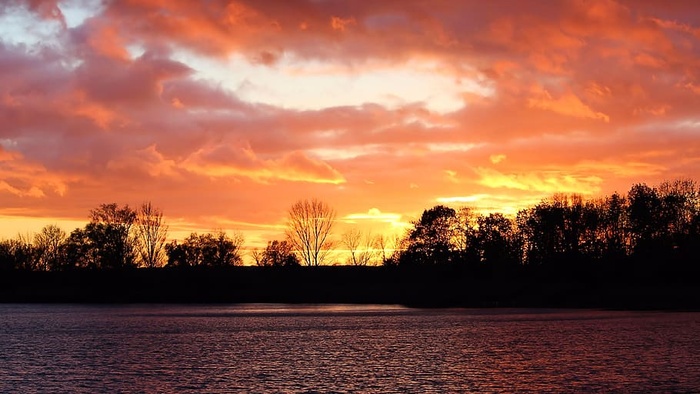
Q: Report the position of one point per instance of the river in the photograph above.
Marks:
(343, 349)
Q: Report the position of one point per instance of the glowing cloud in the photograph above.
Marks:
(567, 104)
(374, 214)
(248, 106)
(495, 159)
(547, 182)
(374, 217)
(23, 178)
(229, 161)
(462, 199)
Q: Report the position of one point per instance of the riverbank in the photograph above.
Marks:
(421, 287)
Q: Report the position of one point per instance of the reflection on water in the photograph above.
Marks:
(343, 348)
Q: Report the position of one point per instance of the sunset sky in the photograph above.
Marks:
(224, 113)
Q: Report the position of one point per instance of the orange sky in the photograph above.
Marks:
(225, 113)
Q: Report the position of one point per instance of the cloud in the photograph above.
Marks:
(133, 83)
(374, 214)
(463, 199)
(486, 203)
(145, 161)
(250, 105)
(341, 24)
(22, 178)
(567, 104)
(230, 161)
(546, 182)
(495, 159)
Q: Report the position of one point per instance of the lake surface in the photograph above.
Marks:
(343, 349)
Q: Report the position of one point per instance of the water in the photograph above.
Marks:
(343, 349)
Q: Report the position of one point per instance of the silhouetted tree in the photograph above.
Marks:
(207, 250)
(109, 231)
(614, 228)
(351, 240)
(176, 255)
(7, 261)
(565, 232)
(692, 249)
(80, 249)
(227, 250)
(277, 254)
(17, 254)
(391, 248)
(309, 226)
(431, 239)
(498, 243)
(381, 242)
(48, 244)
(360, 246)
(645, 219)
(545, 228)
(258, 256)
(105, 242)
(465, 236)
(592, 243)
(151, 233)
(650, 227)
(573, 227)
(680, 204)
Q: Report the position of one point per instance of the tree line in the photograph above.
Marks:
(651, 228)
(118, 237)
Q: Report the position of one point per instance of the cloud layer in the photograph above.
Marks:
(224, 113)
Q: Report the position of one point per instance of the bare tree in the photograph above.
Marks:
(381, 243)
(351, 240)
(113, 215)
(360, 246)
(258, 256)
(309, 224)
(230, 248)
(48, 246)
(151, 233)
(397, 244)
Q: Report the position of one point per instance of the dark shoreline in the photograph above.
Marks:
(418, 287)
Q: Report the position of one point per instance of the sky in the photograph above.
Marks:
(225, 113)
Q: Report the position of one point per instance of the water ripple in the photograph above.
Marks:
(343, 349)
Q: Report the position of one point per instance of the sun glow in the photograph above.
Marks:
(301, 84)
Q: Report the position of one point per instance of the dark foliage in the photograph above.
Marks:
(205, 250)
(653, 230)
(277, 254)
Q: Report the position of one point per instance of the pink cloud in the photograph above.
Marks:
(567, 104)
(22, 178)
(230, 161)
(579, 96)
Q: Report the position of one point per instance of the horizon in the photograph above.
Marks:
(224, 115)
(341, 248)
